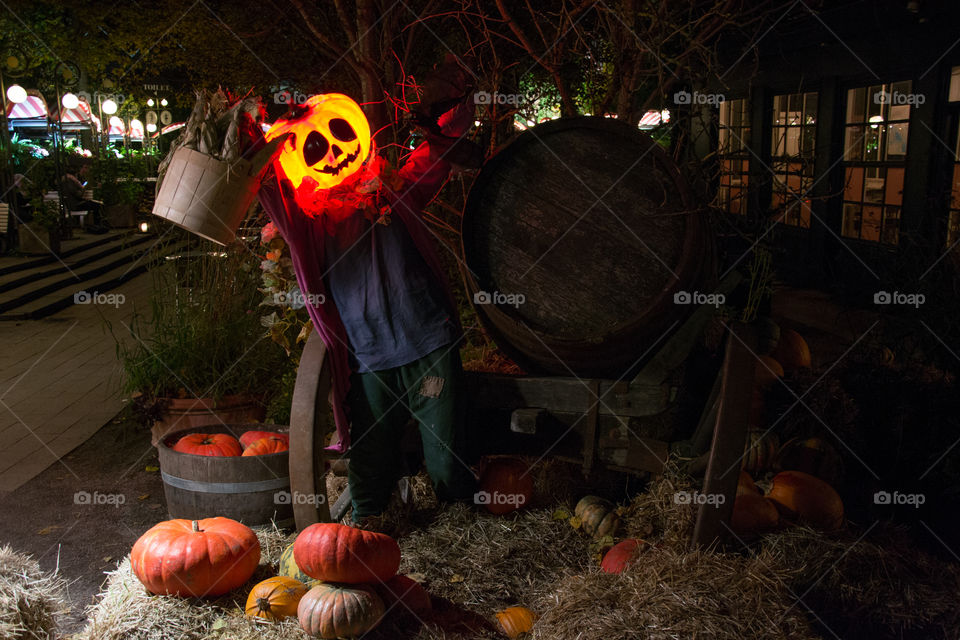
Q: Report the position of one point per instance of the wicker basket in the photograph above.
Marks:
(206, 196)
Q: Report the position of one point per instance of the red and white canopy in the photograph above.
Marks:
(30, 112)
(136, 130)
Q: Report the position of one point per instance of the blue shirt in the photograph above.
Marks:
(392, 307)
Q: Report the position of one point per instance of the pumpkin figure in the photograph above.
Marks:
(208, 444)
(330, 140)
(265, 446)
(597, 516)
(275, 598)
(248, 437)
(506, 484)
(404, 595)
(622, 555)
(340, 611)
(516, 620)
(337, 553)
(198, 558)
(808, 499)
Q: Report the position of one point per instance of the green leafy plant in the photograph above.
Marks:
(117, 180)
(203, 336)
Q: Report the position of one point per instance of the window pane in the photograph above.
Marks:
(871, 143)
(955, 202)
(871, 224)
(873, 187)
(897, 141)
(853, 189)
(851, 220)
(902, 88)
(953, 228)
(899, 112)
(874, 103)
(777, 141)
(894, 188)
(954, 95)
(891, 225)
(853, 144)
(855, 100)
(810, 109)
(793, 141)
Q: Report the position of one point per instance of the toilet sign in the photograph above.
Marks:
(165, 117)
(151, 117)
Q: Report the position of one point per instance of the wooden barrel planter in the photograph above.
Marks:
(182, 414)
(253, 490)
(575, 237)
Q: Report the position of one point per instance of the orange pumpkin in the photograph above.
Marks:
(266, 446)
(208, 444)
(760, 450)
(768, 371)
(746, 485)
(275, 598)
(802, 497)
(811, 455)
(506, 484)
(337, 553)
(198, 558)
(753, 515)
(622, 555)
(516, 620)
(330, 140)
(248, 437)
(339, 610)
(792, 351)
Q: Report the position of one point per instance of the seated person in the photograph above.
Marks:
(72, 190)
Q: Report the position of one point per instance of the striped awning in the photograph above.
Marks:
(172, 127)
(78, 115)
(33, 108)
(136, 132)
(650, 119)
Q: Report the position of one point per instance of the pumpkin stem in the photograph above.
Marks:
(196, 526)
(263, 604)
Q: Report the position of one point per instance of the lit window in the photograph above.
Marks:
(953, 221)
(792, 150)
(734, 137)
(874, 153)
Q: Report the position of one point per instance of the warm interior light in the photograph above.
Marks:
(144, 227)
(149, 102)
(163, 102)
(109, 107)
(16, 94)
(151, 127)
(70, 101)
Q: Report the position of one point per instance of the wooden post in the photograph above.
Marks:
(729, 436)
(307, 472)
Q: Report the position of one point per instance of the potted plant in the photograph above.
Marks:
(42, 231)
(119, 185)
(201, 355)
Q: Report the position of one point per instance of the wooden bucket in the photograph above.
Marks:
(206, 196)
(575, 237)
(253, 490)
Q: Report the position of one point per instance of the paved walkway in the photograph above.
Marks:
(59, 381)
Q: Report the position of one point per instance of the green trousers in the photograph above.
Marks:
(381, 403)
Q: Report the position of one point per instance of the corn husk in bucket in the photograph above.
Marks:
(211, 175)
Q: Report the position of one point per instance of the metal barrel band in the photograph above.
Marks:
(225, 487)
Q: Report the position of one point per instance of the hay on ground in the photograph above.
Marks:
(30, 599)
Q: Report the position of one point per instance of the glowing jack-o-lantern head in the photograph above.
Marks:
(330, 141)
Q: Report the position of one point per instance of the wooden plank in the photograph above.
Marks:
(307, 468)
(590, 437)
(729, 437)
(493, 391)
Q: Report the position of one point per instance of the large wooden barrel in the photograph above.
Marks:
(576, 236)
(253, 490)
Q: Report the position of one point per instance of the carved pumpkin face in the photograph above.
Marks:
(330, 141)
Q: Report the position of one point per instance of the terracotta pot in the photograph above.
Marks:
(182, 414)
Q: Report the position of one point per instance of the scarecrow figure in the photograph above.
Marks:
(374, 286)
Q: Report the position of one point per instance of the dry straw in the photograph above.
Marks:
(30, 599)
